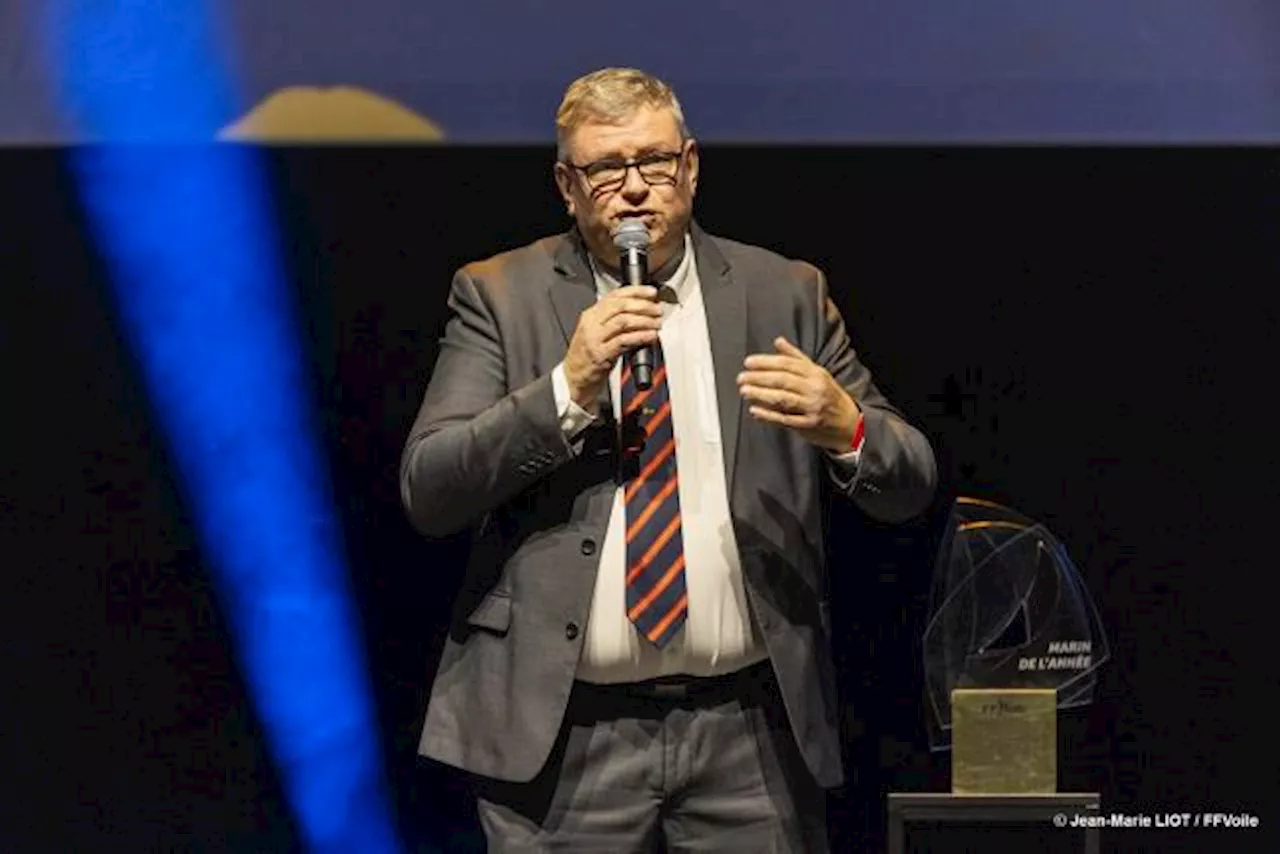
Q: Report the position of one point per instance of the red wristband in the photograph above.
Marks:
(859, 433)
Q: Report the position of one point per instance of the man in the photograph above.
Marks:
(641, 645)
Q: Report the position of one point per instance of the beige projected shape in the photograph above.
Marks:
(334, 114)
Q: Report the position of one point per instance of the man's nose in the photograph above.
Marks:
(634, 187)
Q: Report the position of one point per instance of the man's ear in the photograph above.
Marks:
(564, 183)
(694, 158)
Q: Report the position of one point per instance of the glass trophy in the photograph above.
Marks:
(1012, 636)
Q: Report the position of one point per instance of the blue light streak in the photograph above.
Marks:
(200, 288)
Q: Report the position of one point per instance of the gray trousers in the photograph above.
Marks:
(633, 771)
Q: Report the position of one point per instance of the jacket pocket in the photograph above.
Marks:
(493, 613)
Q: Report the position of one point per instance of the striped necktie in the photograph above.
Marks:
(656, 596)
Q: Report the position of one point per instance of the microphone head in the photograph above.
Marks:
(631, 235)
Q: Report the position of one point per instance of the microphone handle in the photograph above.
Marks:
(635, 271)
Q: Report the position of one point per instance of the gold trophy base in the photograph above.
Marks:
(1004, 741)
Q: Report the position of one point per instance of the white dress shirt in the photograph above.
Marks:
(719, 635)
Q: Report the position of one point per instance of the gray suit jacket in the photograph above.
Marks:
(487, 451)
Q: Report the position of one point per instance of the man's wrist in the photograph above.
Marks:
(589, 404)
(581, 398)
(859, 435)
(573, 417)
(849, 440)
(848, 454)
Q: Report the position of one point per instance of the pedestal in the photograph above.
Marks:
(1034, 813)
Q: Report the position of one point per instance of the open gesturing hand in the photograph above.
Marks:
(789, 389)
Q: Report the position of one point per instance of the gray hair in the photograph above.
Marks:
(612, 95)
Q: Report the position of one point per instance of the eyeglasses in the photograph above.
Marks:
(608, 175)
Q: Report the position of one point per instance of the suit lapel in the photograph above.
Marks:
(726, 307)
(575, 290)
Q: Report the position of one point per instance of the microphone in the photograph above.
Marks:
(632, 240)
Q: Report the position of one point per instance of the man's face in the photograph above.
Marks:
(658, 191)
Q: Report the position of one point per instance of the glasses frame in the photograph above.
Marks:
(613, 185)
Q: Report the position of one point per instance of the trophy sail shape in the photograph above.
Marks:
(1012, 637)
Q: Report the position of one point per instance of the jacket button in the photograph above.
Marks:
(571, 631)
(588, 547)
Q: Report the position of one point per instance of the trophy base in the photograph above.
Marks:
(1004, 741)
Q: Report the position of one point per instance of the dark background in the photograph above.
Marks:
(1085, 334)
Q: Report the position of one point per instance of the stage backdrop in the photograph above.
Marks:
(489, 71)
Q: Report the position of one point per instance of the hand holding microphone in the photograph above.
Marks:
(625, 321)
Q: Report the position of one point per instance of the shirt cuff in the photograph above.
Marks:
(848, 460)
(573, 418)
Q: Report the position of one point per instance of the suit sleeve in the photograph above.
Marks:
(476, 443)
(896, 473)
